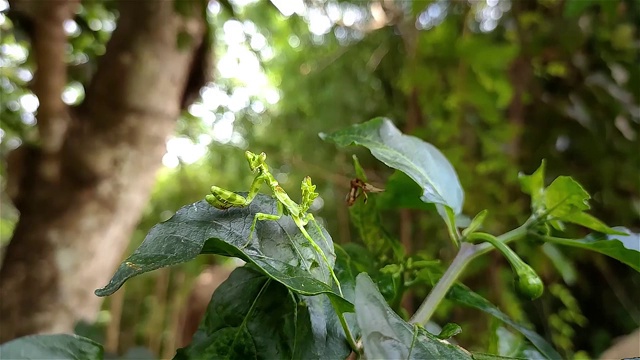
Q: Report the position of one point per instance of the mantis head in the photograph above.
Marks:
(308, 193)
(256, 161)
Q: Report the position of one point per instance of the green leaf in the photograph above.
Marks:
(423, 162)
(251, 316)
(401, 192)
(278, 248)
(463, 295)
(590, 222)
(566, 200)
(624, 248)
(57, 346)
(449, 330)
(533, 185)
(450, 220)
(476, 223)
(386, 336)
(565, 196)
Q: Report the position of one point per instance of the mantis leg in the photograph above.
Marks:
(300, 223)
(262, 216)
(224, 199)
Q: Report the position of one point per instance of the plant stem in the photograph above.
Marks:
(428, 307)
(506, 238)
(513, 259)
(465, 255)
(345, 326)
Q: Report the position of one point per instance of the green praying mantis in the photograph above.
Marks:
(224, 199)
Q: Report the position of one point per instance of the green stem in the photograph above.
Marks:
(559, 241)
(513, 259)
(345, 326)
(428, 307)
(465, 255)
(507, 237)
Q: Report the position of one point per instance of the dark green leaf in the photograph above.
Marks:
(463, 295)
(624, 248)
(250, 316)
(423, 162)
(386, 336)
(277, 248)
(57, 346)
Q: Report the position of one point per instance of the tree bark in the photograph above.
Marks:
(83, 190)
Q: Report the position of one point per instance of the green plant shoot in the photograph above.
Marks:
(224, 199)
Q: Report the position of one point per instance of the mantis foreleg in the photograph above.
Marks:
(224, 199)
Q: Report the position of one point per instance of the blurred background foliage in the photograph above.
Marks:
(497, 85)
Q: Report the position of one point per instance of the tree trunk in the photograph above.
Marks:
(82, 191)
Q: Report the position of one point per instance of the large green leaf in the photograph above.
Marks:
(423, 162)
(386, 336)
(250, 316)
(624, 248)
(277, 248)
(56, 346)
(463, 295)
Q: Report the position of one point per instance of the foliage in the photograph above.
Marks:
(284, 288)
(578, 91)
